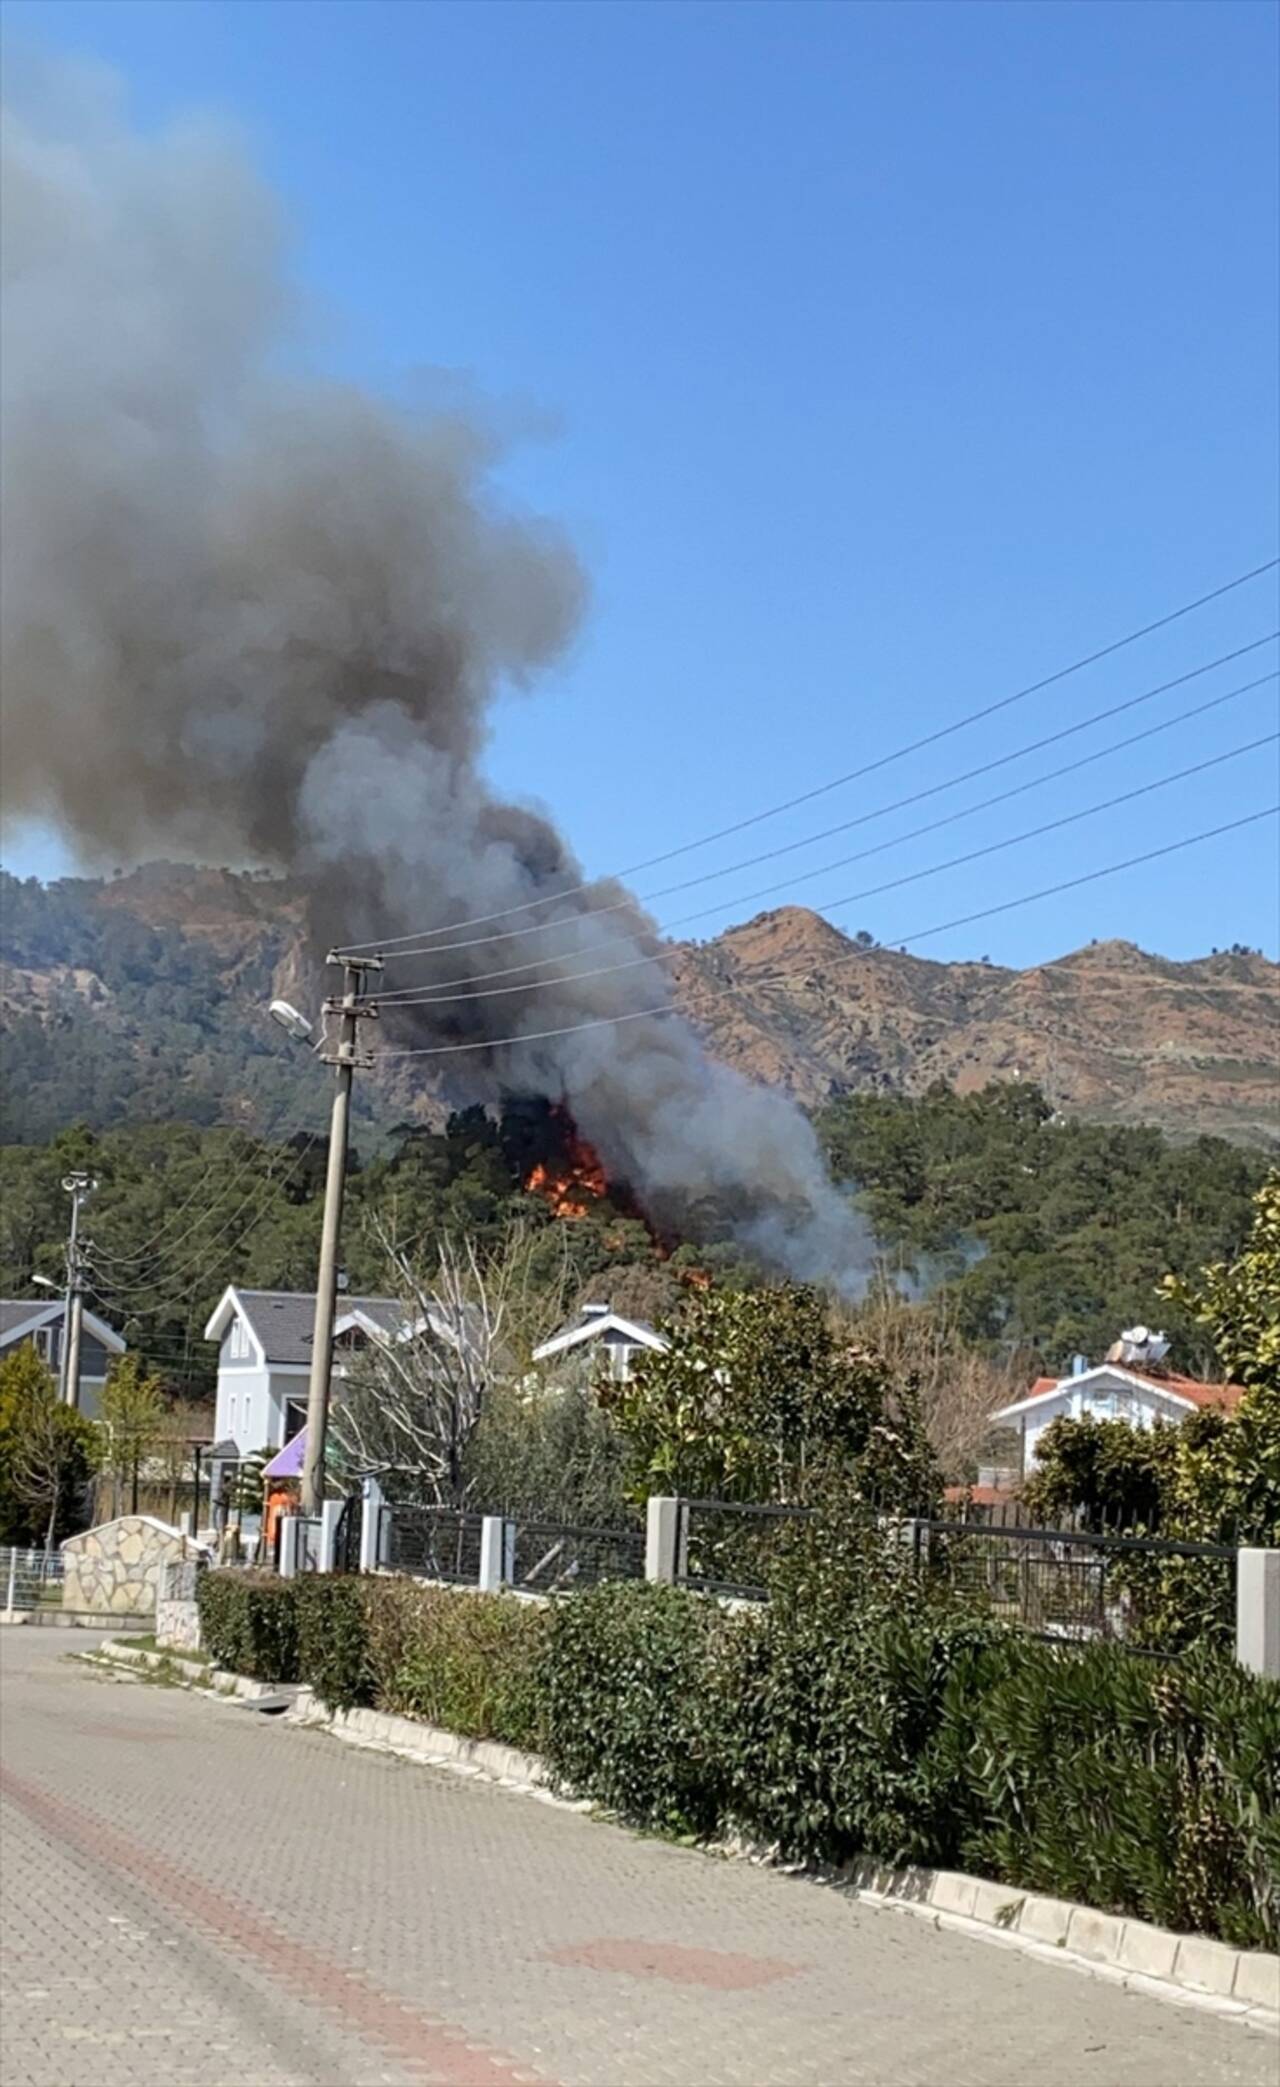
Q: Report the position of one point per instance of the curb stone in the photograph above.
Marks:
(1184, 1970)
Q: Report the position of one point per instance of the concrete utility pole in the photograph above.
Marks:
(352, 1011)
(79, 1187)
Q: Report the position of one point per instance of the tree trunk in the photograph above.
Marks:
(51, 1531)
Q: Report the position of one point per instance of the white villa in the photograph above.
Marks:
(1131, 1385)
(39, 1321)
(599, 1334)
(264, 1358)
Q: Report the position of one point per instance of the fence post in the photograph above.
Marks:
(13, 1575)
(330, 1516)
(290, 1532)
(495, 1553)
(371, 1526)
(662, 1537)
(1258, 1611)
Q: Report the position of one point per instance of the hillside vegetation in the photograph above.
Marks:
(142, 998)
(1047, 1235)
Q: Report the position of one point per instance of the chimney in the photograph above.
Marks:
(595, 1311)
(1079, 1364)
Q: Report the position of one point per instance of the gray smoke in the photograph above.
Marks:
(252, 616)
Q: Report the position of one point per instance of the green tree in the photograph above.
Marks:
(755, 1399)
(1238, 1303)
(131, 1425)
(47, 1455)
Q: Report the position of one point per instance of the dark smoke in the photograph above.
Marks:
(252, 616)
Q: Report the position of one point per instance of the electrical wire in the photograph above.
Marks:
(851, 775)
(533, 985)
(898, 941)
(270, 1182)
(808, 840)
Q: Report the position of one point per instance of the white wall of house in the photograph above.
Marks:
(1101, 1395)
(254, 1397)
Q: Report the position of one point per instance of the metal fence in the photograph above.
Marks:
(546, 1556)
(432, 1543)
(29, 1579)
(729, 1549)
(1147, 1593)
(346, 1537)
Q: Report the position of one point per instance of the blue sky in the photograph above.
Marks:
(880, 359)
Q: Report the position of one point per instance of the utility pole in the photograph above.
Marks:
(79, 1187)
(352, 1010)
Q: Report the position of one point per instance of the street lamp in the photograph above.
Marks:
(47, 1284)
(294, 1024)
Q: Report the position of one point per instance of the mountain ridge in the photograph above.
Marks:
(151, 983)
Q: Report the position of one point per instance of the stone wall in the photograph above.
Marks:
(177, 1612)
(114, 1570)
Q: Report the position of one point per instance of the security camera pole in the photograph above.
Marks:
(78, 1186)
(352, 1012)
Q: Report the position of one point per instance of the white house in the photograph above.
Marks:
(264, 1358)
(32, 1319)
(1131, 1385)
(599, 1335)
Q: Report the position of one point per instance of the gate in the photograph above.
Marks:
(346, 1540)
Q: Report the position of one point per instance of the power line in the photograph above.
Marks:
(268, 1184)
(533, 985)
(134, 1260)
(852, 775)
(900, 941)
(420, 995)
(1049, 891)
(808, 840)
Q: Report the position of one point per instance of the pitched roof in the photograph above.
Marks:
(595, 1320)
(25, 1311)
(282, 1320)
(19, 1313)
(1191, 1390)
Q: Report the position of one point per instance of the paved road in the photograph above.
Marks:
(196, 1896)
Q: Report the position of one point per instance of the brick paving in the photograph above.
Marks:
(194, 1893)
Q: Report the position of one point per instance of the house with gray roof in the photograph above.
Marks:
(599, 1341)
(39, 1322)
(264, 1358)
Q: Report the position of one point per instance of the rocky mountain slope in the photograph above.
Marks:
(142, 996)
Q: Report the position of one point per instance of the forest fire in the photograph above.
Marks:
(572, 1179)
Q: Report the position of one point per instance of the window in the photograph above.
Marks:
(44, 1342)
(295, 1417)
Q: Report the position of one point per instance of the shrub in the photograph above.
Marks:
(249, 1623)
(333, 1638)
(1141, 1787)
(628, 1708)
(463, 1661)
(833, 1694)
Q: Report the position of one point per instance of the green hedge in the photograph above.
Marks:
(249, 1623)
(856, 1713)
(628, 1715)
(468, 1662)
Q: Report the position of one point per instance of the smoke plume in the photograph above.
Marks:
(253, 616)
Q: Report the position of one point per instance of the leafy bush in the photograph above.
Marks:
(629, 1715)
(249, 1623)
(463, 1661)
(1145, 1788)
(333, 1638)
(833, 1694)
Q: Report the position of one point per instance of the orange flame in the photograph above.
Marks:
(575, 1179)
